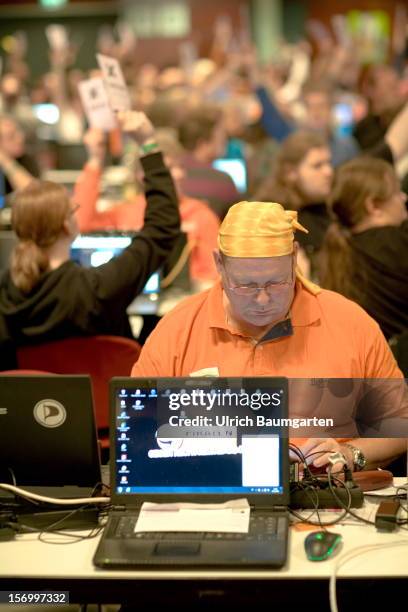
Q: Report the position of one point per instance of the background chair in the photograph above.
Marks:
(101, 357)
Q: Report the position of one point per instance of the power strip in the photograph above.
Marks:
(324, 498)
(82, 518)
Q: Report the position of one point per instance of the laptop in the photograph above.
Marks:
(236, 169)
(172, 281)
(48, 441)
(92, 250)
(156, 457)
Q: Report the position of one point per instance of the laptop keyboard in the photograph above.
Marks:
(261, 527)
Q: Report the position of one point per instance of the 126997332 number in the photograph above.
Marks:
(34, 597)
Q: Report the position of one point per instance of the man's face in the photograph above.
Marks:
(313, 176)
(11, 138)
(260, 290)
(318, 111)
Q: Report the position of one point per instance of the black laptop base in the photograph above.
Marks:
(121, 548)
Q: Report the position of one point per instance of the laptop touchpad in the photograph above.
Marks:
(179, 549)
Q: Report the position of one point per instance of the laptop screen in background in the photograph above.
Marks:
(93, 251)
(236, 169)
(46, 113)
(229, 458)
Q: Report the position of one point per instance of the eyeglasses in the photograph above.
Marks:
(270, 288)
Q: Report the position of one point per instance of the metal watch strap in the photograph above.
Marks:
(359, 460)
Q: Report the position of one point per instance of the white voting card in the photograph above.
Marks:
(112, 75)
(96, 104)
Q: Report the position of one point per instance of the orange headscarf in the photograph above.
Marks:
(261, 229)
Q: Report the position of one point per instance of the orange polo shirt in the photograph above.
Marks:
(332, 338)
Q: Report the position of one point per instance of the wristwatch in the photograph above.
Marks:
(359, 459)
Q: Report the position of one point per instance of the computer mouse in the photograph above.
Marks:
(320, 545)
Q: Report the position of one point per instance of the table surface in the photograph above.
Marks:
(26, 557)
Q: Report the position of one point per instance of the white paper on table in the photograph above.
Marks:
(229, 517)
(114, 80)
(96, 104)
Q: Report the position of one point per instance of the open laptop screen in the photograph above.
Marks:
(198, 436)
(236, 169)
(93, 251)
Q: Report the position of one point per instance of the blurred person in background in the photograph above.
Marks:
(202, 135)
(14, 102)
(383, 89)
(198, 221)
(46, 296)
(318, 101)
(365, 252)
(17, 165)
(301, 180)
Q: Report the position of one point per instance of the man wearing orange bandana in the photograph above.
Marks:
(263, 318)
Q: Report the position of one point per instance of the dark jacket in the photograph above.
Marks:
(315, 218)
(76, 301)
(381, 273)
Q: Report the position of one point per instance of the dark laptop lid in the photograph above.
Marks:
(200, 439)
(47, 431)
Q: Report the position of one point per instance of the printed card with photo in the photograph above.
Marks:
(112, 74)
(96, 104)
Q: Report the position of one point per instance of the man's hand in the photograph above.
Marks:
(94, 140)
(138, 126)
(318, 450)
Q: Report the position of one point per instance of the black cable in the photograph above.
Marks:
(339, 501)
(13, 477)
(402, 497)
(50, 529)
(315, 511)
(306, 486)
(302, 458)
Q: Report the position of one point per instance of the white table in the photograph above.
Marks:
(28, 564)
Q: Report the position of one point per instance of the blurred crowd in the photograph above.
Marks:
(303, 125)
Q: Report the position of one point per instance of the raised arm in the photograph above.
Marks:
(87, 187)
(397, 134)
(124, 276)
(18, 176)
